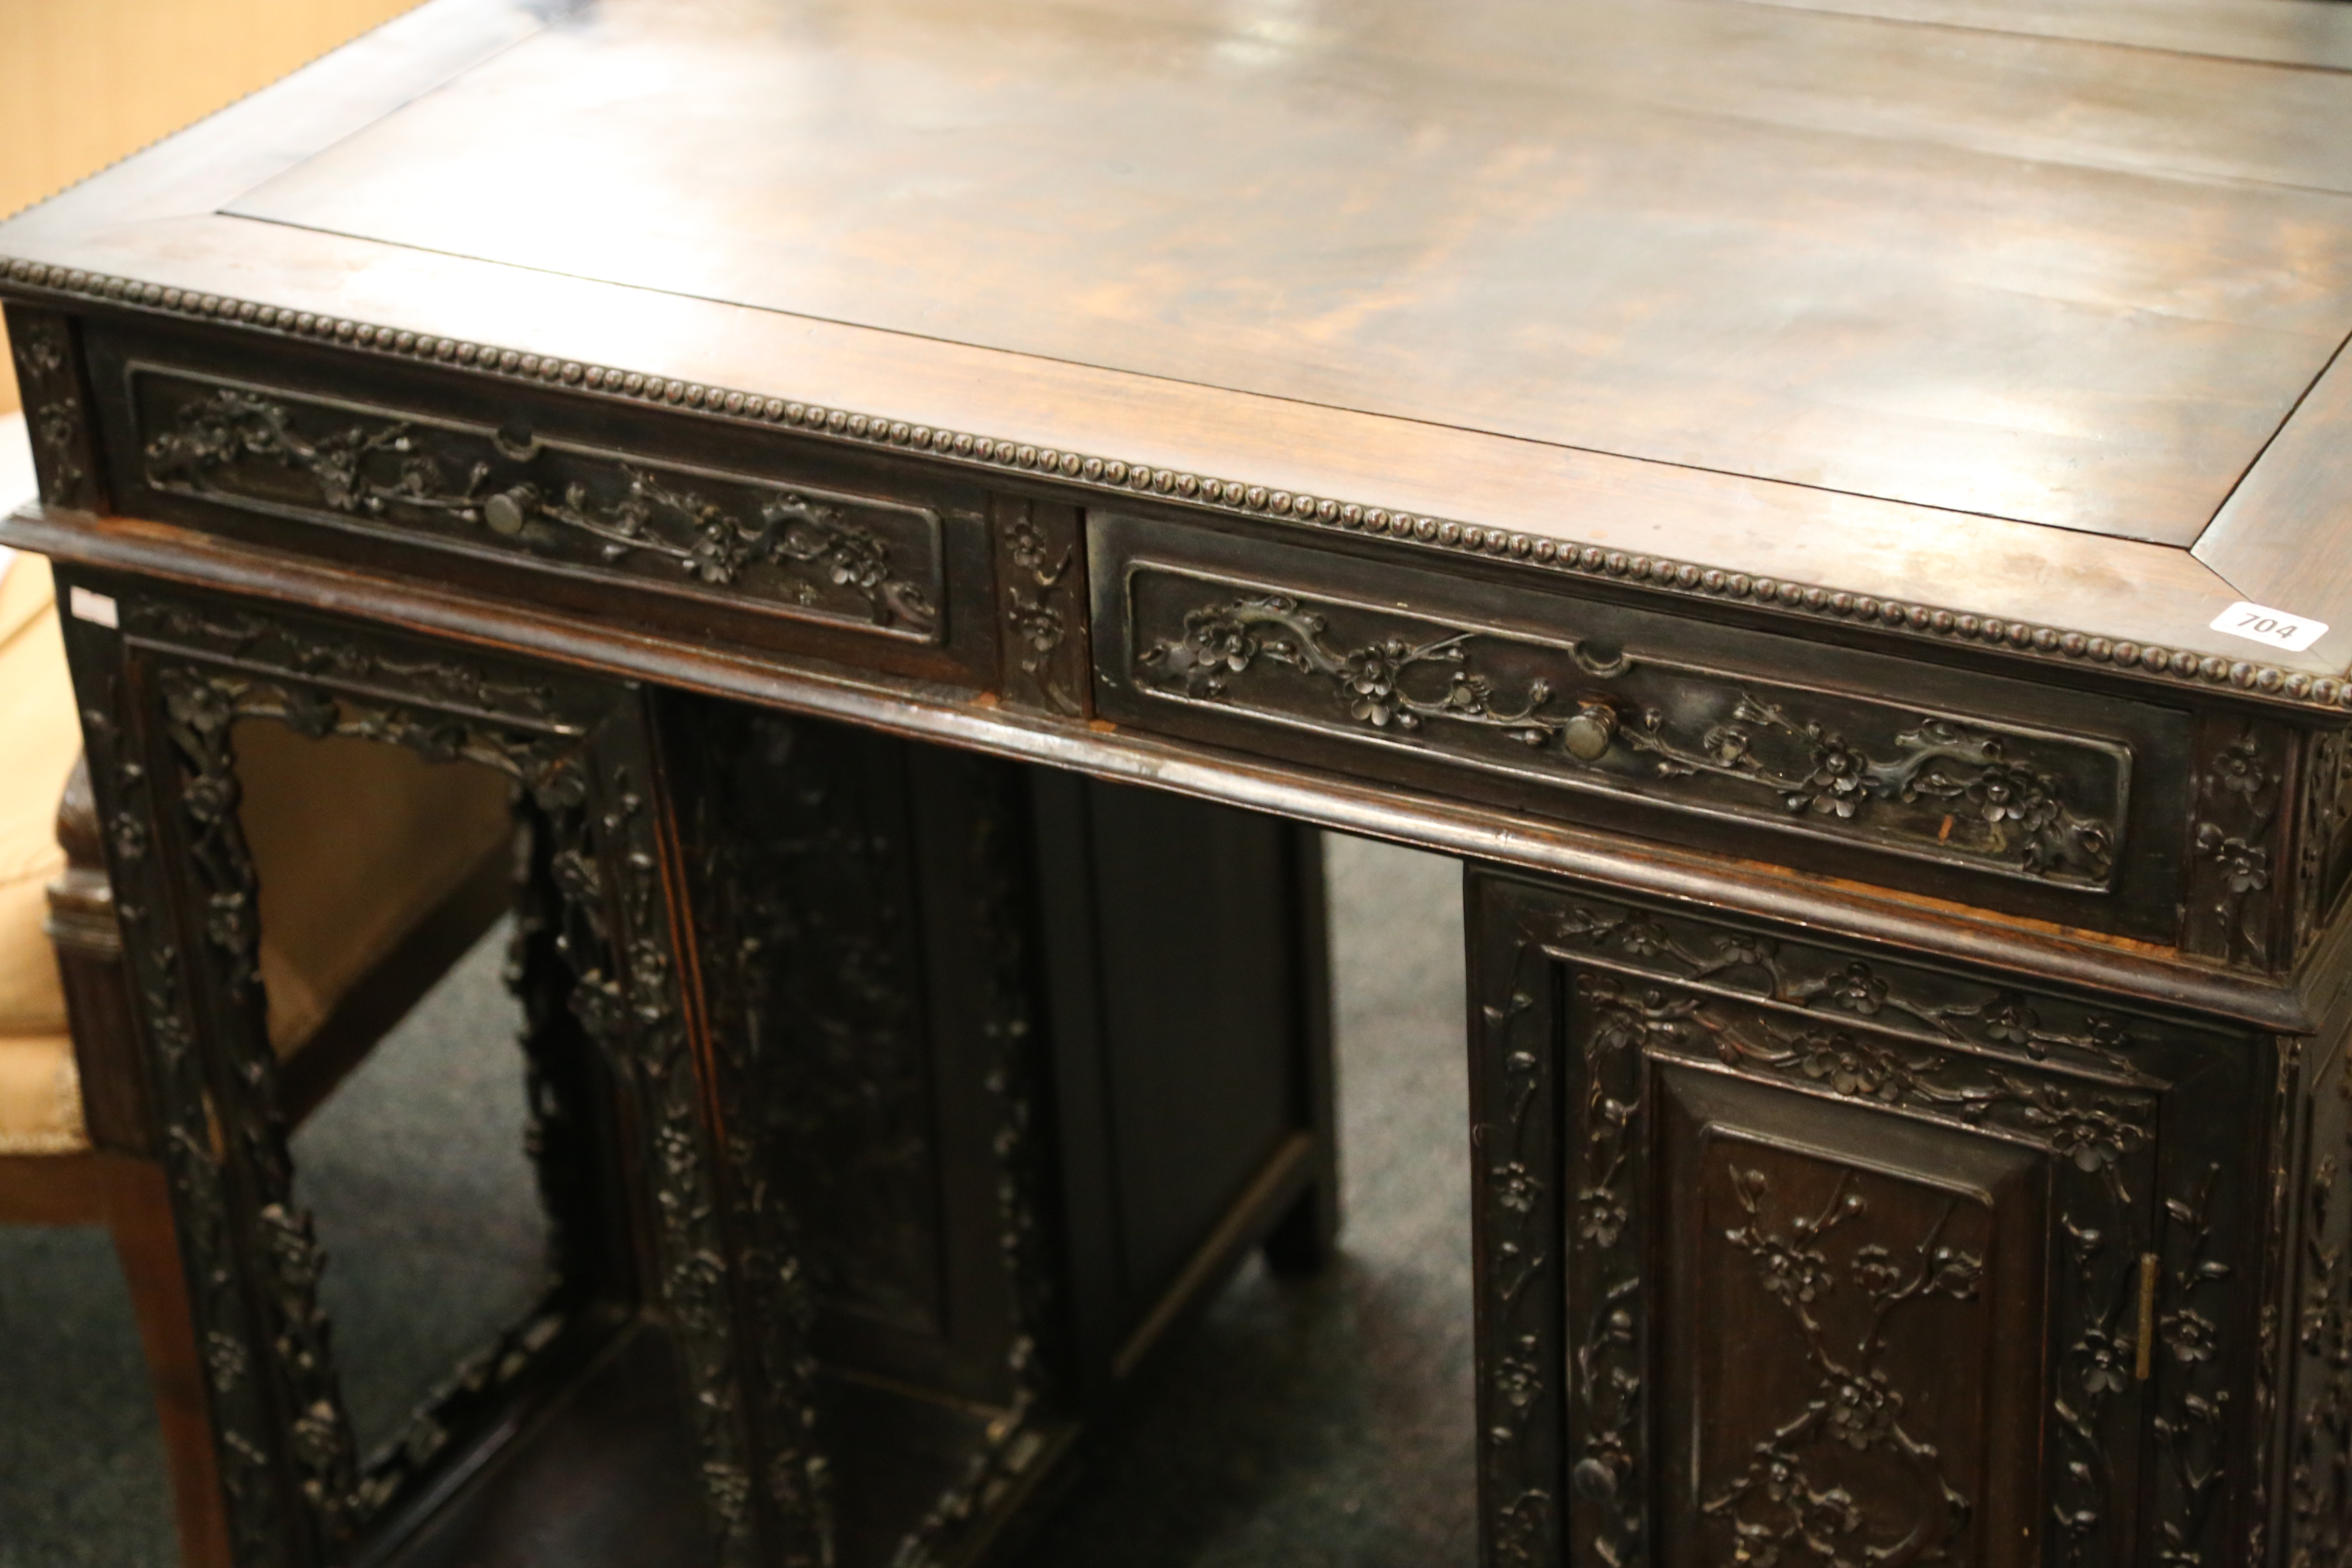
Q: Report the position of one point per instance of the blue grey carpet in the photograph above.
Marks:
(1301, 1424)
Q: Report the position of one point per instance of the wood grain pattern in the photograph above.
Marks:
(2279, 539)
(2113, 126)
(2313, 34)
(1946, 269)
(2117, 588)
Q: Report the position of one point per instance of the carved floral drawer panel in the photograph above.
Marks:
(2007, 794)
(1997, 1257)
(441, 477)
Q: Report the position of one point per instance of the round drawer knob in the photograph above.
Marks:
(508, 511)
(1587, 736)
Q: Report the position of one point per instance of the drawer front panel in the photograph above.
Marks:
(794, 550)
(1605, 713)
(740, 535)
(1783, 1243)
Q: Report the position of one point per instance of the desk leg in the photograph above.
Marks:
(161, 695)
(1303, 1239)
(1190, 1019)
(1790, 1245)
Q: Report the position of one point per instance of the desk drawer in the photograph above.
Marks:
(748, 534)
(2001, 792)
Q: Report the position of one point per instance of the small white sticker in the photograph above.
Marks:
(94, 607)
(2260, 623)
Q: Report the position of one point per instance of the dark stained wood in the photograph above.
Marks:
(1312, 656)
(1191, 1078)
(1272, 1199)
(2102, 437)
(604, 1478)
(1306, 1237)
(1985, 290)
(1108, 751)
(1755, 479)
(1194, 1033)
(1926, 1253)
(1761, 1221)
(2278, 540)
(83, 932)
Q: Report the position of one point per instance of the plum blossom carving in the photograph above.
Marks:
(55, 416)
(2239, 790)
(1374, 682)
(1938, 785)
(1777, 1508)
(2021, 809)
(381, 467)
(1839, 783)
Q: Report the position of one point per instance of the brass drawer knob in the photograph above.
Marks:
(1587, 736)
(508, 511)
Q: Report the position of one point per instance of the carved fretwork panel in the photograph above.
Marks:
(811, 936)
(2318, 1459)
(862, 913)
(1041, 593)
(57, 408)
(806, 552)
(162, 698)
(1790, 1254)
(1882, 1398)
(2240, 805)
(1592, 716)
(2322, 832)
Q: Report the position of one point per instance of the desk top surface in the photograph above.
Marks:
(1994, 305)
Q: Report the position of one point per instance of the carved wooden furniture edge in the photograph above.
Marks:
(41, 282)
(2084, 1084)
(2064, 956)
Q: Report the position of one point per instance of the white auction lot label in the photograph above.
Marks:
(2260, 623)
(95, 608)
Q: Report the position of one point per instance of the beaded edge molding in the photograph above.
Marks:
(1681, 578)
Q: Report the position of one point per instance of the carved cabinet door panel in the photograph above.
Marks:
(1795, 1253)
(1848, 1321)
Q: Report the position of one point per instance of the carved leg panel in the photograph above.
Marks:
(1791, 1255)
(863, 910)
(160, 698)
(2316, 1462)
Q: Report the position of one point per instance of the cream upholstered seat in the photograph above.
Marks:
(355, 843)
(40, 1098)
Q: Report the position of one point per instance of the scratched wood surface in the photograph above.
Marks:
(1953, 302)
(1951, 268)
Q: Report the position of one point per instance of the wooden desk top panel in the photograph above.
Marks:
(1995, 274)
(1932, 302)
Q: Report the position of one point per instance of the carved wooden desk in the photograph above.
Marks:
(1836, 513)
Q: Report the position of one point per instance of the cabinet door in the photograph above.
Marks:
(1849, 1333)
(1794, 1255)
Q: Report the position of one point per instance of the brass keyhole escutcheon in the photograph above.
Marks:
(516, 443)
(1588, 735)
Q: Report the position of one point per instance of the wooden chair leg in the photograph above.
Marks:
(138, 1214)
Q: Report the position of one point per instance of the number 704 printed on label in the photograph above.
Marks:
(2260, 623)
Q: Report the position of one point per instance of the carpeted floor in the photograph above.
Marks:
(1325, 1422)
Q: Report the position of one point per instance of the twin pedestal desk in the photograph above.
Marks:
(1836, 514)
